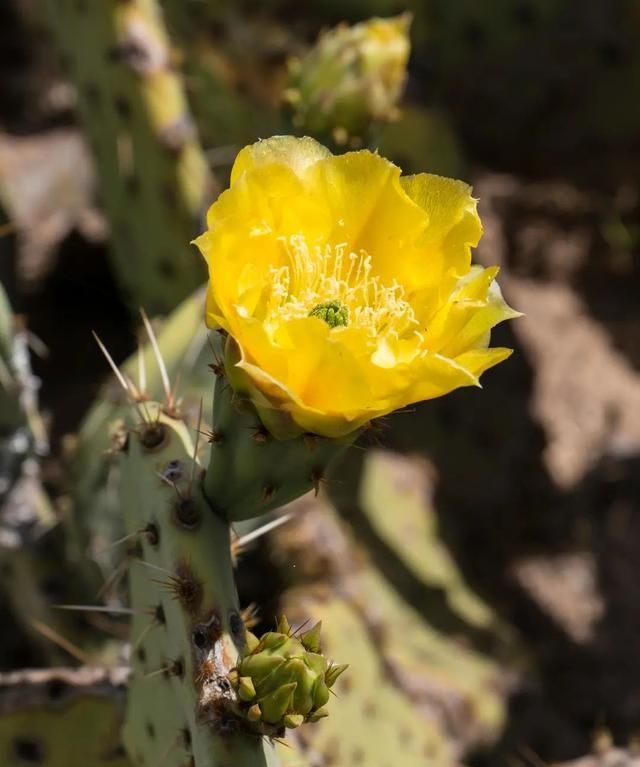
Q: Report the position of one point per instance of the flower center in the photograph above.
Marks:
(334, 313)
(339, 287)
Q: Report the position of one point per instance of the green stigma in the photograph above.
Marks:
(333, 313)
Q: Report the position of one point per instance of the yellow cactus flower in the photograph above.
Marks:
(347, 289)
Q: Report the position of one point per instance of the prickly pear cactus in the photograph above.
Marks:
(37, 578)
(95, 521)
(62, 717)
(187, 631)
(154, 179)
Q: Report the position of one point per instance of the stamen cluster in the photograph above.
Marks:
(323, 274)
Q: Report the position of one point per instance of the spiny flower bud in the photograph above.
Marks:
(284, 680)
(352, 77)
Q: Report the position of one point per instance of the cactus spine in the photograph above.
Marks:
(96, 520)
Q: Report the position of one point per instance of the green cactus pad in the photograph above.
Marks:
(187, 631)
(62, 717)
(95, 519)
(153, 174)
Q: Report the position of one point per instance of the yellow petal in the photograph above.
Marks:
(304, 359)
(433, 376)
(333, 425)
(464, 321)
(259, 200)
(340, 383)
(372, 213)
(475, 331)
(454, 225)
(477, 361)
(452, 211)
(214, 317)
(290, 200)
(239, 267)
(296, 153)
(310, 377)
(391, 352)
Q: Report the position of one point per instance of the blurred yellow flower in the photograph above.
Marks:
(347, 289)
(352, 77)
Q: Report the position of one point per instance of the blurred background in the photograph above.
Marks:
(484, 554)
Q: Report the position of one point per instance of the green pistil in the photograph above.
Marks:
(334, 313)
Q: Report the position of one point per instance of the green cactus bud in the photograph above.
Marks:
(251, 641)
(305, 679)
(273, 639)
(354, 76)
(234, 677)
(261, 665)
(254, 714)
(246, 690)
(320, 694)
(319, 714)
(333, 672)
(293, 720)
(288, 680)
(317, 662)
(276, 704)
(311, 639)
